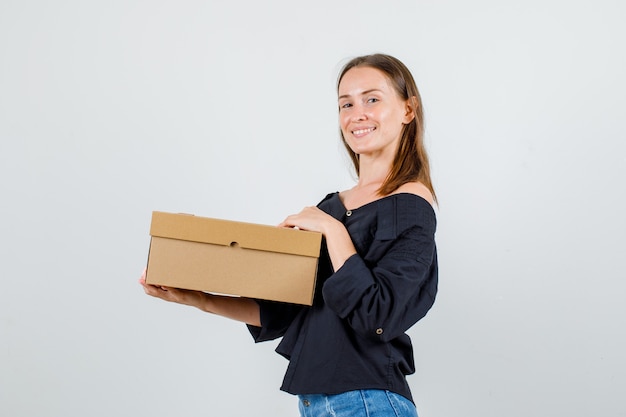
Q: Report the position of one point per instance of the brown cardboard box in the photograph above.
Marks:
(233, 258)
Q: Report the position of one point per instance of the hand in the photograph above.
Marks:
(175, 295)
(237, 308)
(339, 243)
(310, 218)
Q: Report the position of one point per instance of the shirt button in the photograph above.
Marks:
(349, 213)
(379, 331)
(306, 403)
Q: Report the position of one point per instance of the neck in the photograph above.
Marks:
(372, 172)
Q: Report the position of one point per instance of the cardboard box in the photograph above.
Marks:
(233, 258)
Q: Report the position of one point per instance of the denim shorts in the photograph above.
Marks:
(361, 403)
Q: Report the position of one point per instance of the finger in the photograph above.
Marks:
(156, 291)
(149, 288)
(288, 222)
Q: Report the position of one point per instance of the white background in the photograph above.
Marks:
(110, 110)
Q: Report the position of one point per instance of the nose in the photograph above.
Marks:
(358, 114)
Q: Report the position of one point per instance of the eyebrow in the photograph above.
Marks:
(362, 93)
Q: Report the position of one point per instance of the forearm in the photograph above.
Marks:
(241, 309)
(339, 243)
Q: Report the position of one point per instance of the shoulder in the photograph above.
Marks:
(418, 189)
(409, 209)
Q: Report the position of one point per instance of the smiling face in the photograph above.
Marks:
(371, 113)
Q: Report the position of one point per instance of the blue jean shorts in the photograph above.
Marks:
(361, 403)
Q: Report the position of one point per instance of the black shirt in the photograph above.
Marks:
(354, 335)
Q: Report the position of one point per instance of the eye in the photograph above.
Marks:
(345, 105)
(373, 100)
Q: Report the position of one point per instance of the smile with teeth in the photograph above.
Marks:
(363, 131)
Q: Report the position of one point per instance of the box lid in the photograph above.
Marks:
(227, 232)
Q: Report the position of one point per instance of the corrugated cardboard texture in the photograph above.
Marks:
(235, 258)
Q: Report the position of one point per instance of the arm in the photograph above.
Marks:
(381, 301)
(383, 295)
(241, 309)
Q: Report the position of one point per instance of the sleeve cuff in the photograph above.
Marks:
(345, 288)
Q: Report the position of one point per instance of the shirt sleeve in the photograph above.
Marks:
(275, 320)
(383, 300)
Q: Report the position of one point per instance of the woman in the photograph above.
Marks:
(349, 353)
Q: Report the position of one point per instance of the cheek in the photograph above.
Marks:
(393, 120)
(344, 120)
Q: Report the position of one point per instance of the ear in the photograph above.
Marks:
(409, 110)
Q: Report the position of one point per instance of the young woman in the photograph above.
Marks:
(349, 353)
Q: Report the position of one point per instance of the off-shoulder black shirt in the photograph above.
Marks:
(354, 335)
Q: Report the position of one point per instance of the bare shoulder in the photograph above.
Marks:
(416, 188)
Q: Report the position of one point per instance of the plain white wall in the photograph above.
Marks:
(109, 110)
